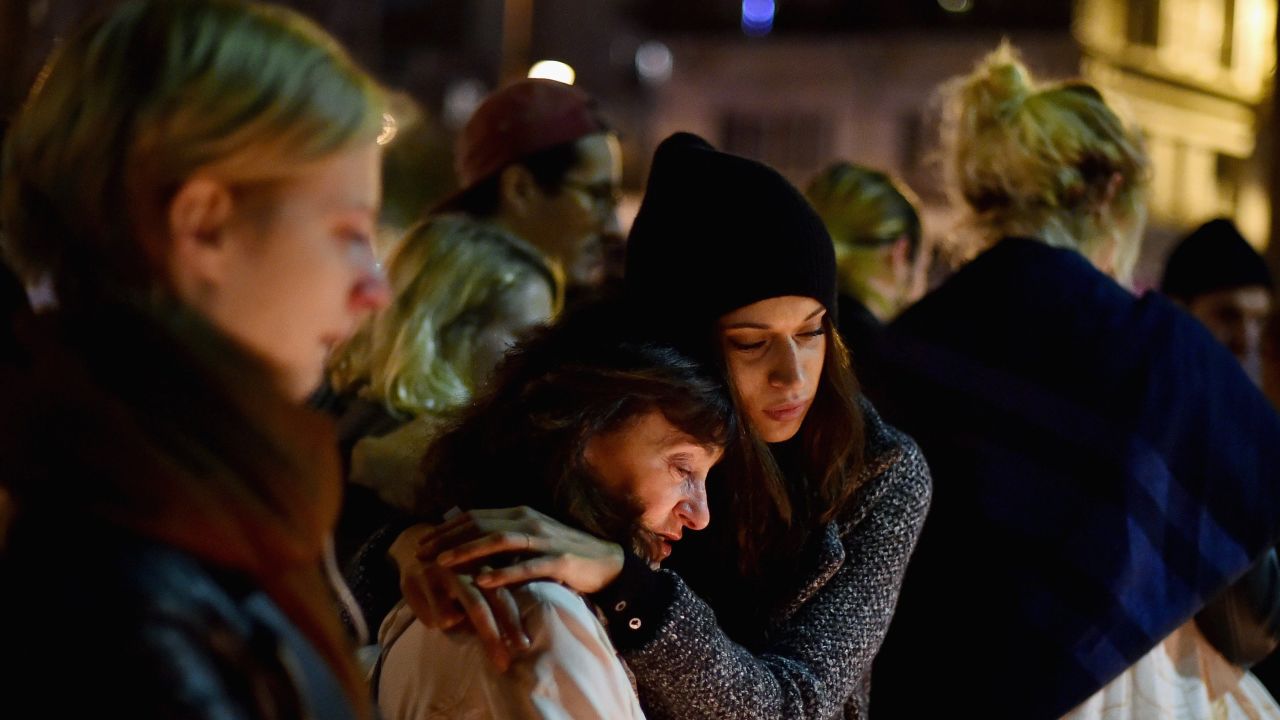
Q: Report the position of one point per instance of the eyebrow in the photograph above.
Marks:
(761, 326)
(676, 437)
(361, 211)
(678, 441)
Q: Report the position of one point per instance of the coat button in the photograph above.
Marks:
(622, 605)
(634, 624)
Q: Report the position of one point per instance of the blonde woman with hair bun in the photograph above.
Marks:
(197, 181)
(1050, 161)
(1103, 467)
(463, 291)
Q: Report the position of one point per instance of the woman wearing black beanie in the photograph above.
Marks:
(779, 607)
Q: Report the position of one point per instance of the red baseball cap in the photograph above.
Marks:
(517, 121)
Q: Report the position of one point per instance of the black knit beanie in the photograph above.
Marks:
(1215, 256)
(717, 232)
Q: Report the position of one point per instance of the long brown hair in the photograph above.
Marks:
(1024, 158)
(775, 503)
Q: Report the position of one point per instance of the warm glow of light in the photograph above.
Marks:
(388, 129)
(553, 70)
(956, 6)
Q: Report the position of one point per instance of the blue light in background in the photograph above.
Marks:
(757, 16)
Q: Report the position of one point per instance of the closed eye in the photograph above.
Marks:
(356, 237)
(680, 465)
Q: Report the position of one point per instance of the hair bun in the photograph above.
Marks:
(999, 85)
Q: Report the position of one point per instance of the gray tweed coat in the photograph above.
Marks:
(820, 646)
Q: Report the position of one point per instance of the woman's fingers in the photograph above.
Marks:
(492, 544)
(428, 596)
(430, 549)
(586, 569)
(445, 613)
(475, 519)
(507, 613)
(450, 524)
(476, 606)
(543, 567)
(493, 535)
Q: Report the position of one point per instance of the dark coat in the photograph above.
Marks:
(1102, 468)
(862, 333)
(102, 622)
(811, 655)
(165, 560)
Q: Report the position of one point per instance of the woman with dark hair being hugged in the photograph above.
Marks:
(779, 607)
(605, 434)
(198, 181)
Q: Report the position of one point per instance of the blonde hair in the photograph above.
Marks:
(142, 99)
(1048, 161)
(865, 212)
(863, 207)
(448, 278)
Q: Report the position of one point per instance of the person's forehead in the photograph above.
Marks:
(599, 156)
(652, 431)
(1251, 297)
(770, 312)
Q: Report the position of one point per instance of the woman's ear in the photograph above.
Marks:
(1107, 250)
(516, 189)
(199, 216)
(1110, 192)
(900, 260)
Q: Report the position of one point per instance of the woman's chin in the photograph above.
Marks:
(651, 548)
(776, 432)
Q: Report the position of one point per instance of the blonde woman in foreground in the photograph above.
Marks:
(199, 181)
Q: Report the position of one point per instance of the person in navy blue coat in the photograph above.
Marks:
(1103, 467)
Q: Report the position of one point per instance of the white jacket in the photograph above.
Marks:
(571, 670)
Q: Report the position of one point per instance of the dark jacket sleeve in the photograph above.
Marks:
(373, 577)
(151, 636)
(820, 658)
(198, 676)
(1243, 623)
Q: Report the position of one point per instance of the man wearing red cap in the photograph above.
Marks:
(537, 159)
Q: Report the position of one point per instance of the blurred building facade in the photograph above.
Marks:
(1197, 76)
(800, 104)
(824, 80)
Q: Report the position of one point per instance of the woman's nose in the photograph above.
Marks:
(785, 371)
(371, 291)
(693, 511)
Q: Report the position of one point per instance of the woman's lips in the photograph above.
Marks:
(783, 413)
(664, 550)
(666, 543)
